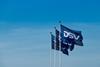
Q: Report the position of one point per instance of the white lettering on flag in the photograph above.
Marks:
(70, 35)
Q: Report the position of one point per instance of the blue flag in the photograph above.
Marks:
(71, 36)
(66, 39)
(52, 41)
(57, 39)
(56, 43)
(60, 45)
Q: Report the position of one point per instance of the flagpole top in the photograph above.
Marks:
(54, 27)
(60, 22)
(50, 32)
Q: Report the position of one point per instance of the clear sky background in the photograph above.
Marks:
(25, 27)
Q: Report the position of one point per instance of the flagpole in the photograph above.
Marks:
(55, 52)
(60, 56)
(54, 63)
(50, 53)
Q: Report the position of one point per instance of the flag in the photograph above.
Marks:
(66, 39)
(52, 41)
(60, 45)
(71, 36)
(57, 39)
(56, 43)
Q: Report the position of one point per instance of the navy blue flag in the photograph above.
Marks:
(66, 39)
(57, 39)
(52, 41)
(60, 45)
(71, 37)
(56, 44)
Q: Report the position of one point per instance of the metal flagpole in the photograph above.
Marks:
(50, 53)
(52, 64)
(54, 55)
(54, 52)
(55, 49)
(60, 56)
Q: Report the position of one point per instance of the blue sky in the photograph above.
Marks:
(25, 27)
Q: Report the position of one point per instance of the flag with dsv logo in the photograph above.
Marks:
(71, 36)
(66, 39)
